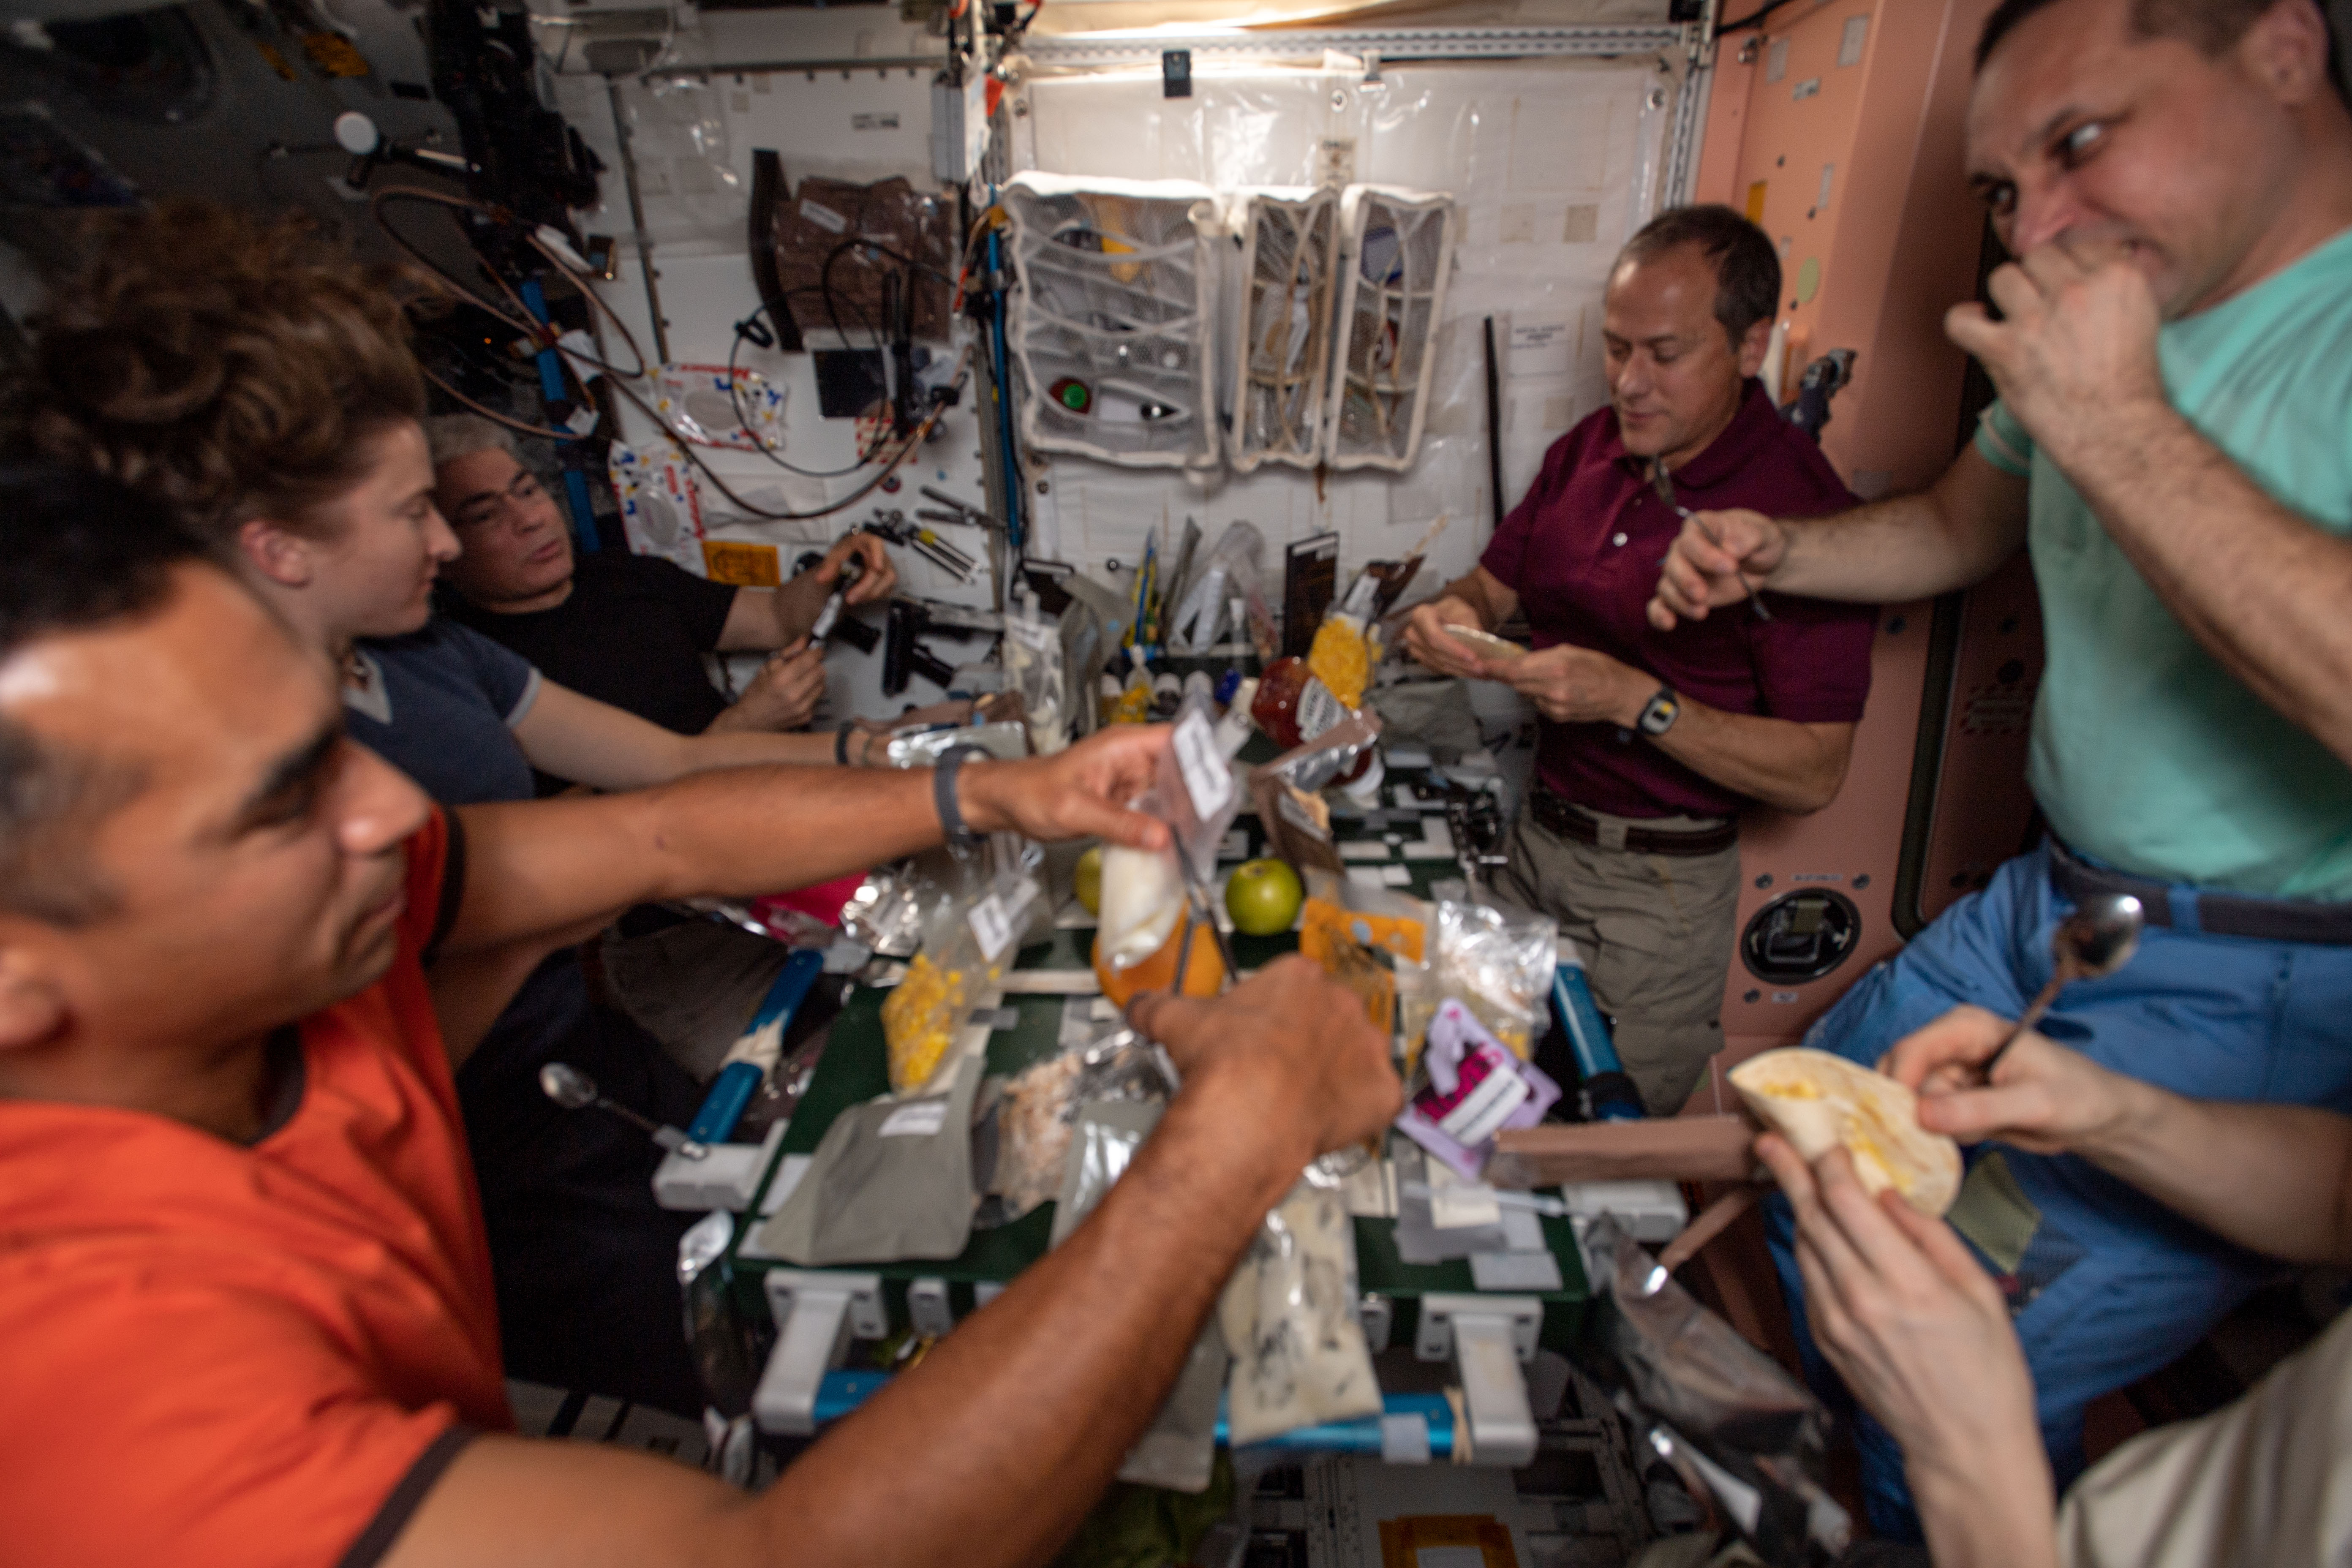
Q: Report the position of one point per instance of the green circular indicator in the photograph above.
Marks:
(1809, 279)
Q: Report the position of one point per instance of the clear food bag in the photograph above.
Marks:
(969, 939)
(1040, 1108)
(1288, 1316)
(1498, 965)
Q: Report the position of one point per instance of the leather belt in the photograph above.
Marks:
(2217, 913)
(1558, 813)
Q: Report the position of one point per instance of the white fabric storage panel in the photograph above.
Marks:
(1397, 248)
(1112, 317)
(1280, 351)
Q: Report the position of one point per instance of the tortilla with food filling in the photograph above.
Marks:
(1817, 1101)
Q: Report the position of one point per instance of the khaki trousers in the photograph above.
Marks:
(1656, 933)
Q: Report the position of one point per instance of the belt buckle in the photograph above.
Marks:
(1609, 835)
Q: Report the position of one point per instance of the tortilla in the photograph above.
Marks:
(1817, 1101)
(1485, 644)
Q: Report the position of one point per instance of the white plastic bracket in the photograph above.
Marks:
(725, 1178)
(818, 1314)
(1489, 1337)
(927, 1308)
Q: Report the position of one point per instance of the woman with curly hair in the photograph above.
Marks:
(259, 382)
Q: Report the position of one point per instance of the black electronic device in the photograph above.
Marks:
(903, 657)
(522, 156)
(1823, 380)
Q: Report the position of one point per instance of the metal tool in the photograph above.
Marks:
(1202, 912)
(575, 1091)
(852, 569)
(892, 525)
(2092, 944)
(1662, 482)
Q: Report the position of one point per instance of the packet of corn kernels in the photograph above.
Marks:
(970, 939)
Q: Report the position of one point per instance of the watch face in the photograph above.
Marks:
(1659, 713)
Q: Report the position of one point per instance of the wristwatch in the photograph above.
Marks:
(943, 793)
(1659, 713)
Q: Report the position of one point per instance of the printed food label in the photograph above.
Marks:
(1489, 1088)
(992, 926)
(824, 216)
(1297, 815)
(1206, 778)
(1317, 710)
(919, 1120)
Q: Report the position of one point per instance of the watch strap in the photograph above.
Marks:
(841, 741)
(943, 792)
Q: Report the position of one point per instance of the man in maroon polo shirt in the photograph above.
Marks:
(1650, 742)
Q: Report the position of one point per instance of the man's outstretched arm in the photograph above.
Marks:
(534, 866)
(989, 1452)
(1910, 547)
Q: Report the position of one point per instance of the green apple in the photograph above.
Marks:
(1085, 882)
(1264, 897)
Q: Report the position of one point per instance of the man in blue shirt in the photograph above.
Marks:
(2173, 445)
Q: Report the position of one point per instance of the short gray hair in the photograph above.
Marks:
(454, 435)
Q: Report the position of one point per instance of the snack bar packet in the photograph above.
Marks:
(1471, 1088)
(1371, 940)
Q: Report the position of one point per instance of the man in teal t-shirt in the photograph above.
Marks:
(2173, 445)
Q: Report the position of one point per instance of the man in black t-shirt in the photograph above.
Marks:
(630, 631)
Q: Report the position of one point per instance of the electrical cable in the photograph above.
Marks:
(1754, 19)
(541, 334)
(914, 440)
(520, 320)
(735, 395)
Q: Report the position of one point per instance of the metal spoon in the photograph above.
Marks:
(575, 1091)
(2092, 944)
(1662, 482)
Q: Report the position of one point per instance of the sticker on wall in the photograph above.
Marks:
(1809, 88)
(1776, 61)
(1809, 279)
(661, 510)
(742, 564)
(694, 400)
(1755, 207)
(1851, 40)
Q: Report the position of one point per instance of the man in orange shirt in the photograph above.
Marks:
(242, 1267)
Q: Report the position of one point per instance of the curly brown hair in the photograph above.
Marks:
(227, 367)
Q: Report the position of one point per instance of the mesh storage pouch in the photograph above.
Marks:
(1111, 318)
(1398, 247)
